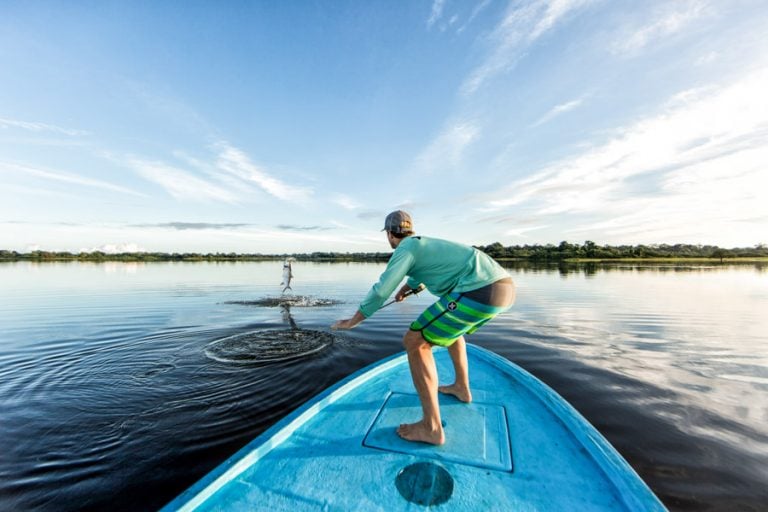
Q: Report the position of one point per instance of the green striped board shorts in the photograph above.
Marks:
(453, 316)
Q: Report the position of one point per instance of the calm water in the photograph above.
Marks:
(109, 399)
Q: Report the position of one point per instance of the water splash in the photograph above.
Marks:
(300, 301)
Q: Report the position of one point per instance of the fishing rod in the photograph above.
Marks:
(351, 321)
(414, 291)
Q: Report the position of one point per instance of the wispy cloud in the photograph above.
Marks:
(185, 226)
(557, 110)
(522, 25)
(237, 163)
(346, 202)
(706, 147)
(115, 248)
(37, 223)
(371, 214)
(181, 184)
(447, 149)
(436, 13)
(674, 17)
(289, 227)
(39, 127)
(521, 232)
(444, 22)
(554, 11)
(65, 177)
(285, 237)
(707, 58)
(229, 176)
(479, 7)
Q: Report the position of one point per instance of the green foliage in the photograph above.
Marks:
(563, 251)
(98, 256)
(590, 250)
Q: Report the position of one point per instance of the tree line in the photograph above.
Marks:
(549, 252)
(187, 256)
(592, 251)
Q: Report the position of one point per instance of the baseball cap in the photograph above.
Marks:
(398, 222)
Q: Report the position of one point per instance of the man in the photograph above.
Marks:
(472, 287)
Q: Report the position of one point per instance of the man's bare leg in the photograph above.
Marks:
(424, 375)
(460, 387)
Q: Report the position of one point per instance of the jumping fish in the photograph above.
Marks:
(287, 274)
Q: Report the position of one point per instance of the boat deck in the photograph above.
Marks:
(518, 446)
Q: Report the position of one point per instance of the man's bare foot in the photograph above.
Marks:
(460, 392)
(421, 432)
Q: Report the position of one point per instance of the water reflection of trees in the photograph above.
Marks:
(591, 268)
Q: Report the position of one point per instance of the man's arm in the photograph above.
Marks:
(397, 268)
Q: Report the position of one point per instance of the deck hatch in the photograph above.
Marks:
(477, 434)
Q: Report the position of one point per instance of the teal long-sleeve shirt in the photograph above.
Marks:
(442, 266)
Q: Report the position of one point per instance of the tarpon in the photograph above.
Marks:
(287, 274)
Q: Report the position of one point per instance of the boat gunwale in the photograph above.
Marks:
(631, 489)
(275, 435)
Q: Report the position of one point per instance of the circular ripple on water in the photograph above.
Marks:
(268, 346)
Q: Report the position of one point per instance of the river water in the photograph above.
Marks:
(115, 392)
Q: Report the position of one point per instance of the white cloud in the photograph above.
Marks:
(521, 232)
(702, 160)
(707, 58)
(522, 26)
(287, 240)
(555, 10)
(65, 177)
(447, 149)
(559, 109)
(35, 236)
(115, 248)
(181, 184)
(237, 163)
(436, 13)
(477, 10)
(232, 177)
(444, 22)
(675, 17)
(39, 127)
(346, 202)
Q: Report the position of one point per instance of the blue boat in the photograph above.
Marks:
(517, 446)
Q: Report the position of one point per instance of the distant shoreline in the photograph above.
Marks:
(147, 257)
(549, 254)
(579, 261)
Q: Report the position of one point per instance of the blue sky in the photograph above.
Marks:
(297, 126)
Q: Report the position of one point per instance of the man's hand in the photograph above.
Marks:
(401, 293)
(343, 324)
(349, 323)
